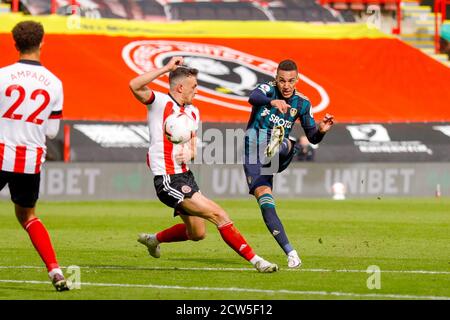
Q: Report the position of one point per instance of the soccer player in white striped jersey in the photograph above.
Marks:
(31, 100)
(174, 182)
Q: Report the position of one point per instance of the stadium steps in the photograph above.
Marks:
(4, 8)
(421, 44)
(438, 56)
(422, 15)
(423, 19)
(408, 9)
(426, 30)
(441, 57)
(419, 36)
(410, 3)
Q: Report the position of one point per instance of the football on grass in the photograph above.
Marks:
(179, 128)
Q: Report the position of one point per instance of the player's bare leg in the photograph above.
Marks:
(200, 208)
(205, 208)
(41, 241)
(193, 229)
(263, 195)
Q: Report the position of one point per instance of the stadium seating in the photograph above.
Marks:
(4, 8)
(301, 10)
(122, 9)
(216, 11)
(179, 10)
(361, 5)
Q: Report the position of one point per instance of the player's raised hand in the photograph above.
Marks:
(326, 123)
(280, 105)
(174, 63)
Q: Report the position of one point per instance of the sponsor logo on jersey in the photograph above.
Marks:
(279, 121)
(265, 112)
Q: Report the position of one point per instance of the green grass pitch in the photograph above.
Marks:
(408, 239)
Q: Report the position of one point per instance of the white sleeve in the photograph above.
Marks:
(56, 115)
(196, 116)
(151, 100)
(58, 104)
(52, 128)
(59, 98)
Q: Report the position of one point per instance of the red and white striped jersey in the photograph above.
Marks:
(161, 153)
(30, 95)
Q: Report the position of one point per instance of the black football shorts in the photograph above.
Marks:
(174, 188)
(24, 188)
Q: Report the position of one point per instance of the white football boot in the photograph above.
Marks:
(152, 244)
(276, 139)
(58, 280)
(294, 260)
(265, 266)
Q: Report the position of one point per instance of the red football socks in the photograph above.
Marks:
(236, 241)
(175, 233)
(41, 241)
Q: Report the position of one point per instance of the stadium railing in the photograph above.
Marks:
(440, 8)
(53, 6)
(361, 4)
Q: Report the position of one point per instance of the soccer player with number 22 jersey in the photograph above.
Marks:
(31, 101)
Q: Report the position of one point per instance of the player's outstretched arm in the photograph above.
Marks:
(316, 133)
(258, 97)
(139, 84)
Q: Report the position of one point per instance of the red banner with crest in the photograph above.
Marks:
(359, 80)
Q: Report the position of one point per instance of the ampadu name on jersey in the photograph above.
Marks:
(29, 74)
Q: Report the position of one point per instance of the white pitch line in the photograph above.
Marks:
(383, 271)
(232, 269)
(271, 292)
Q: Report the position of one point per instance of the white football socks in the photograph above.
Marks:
(255, 259)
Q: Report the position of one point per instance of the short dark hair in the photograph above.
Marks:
(287, 65)
(181, 72)
(28, 36)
